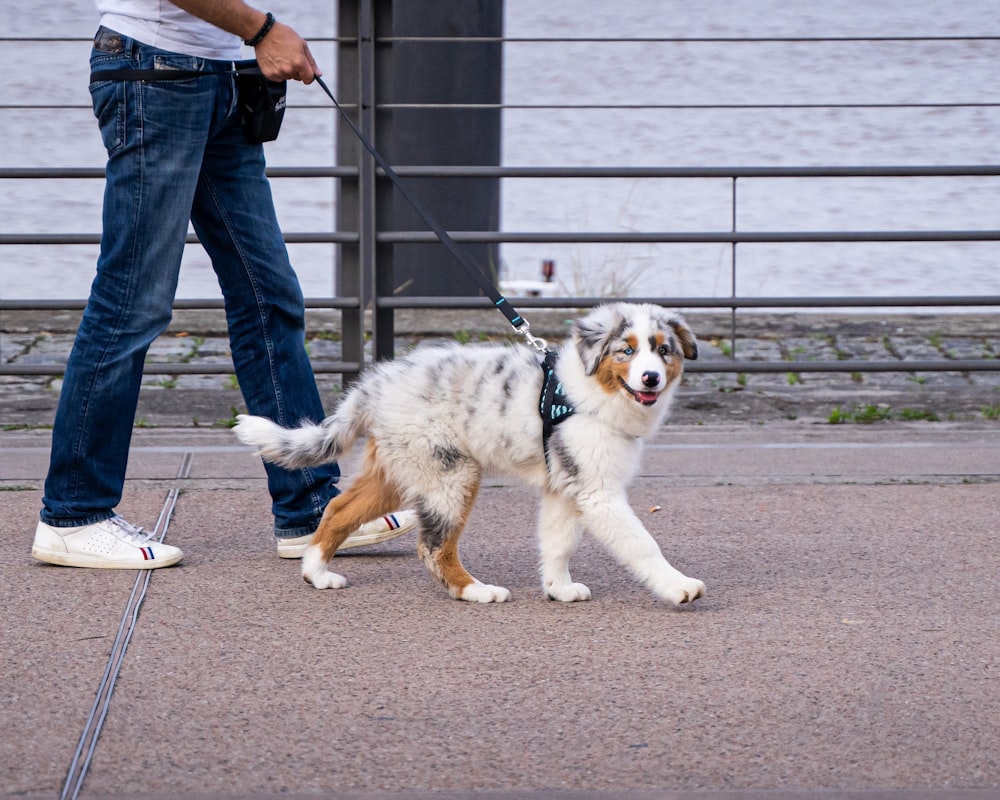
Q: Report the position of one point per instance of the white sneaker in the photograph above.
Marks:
(379, 530)
(110, 544)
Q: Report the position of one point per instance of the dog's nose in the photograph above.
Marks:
(650, 379)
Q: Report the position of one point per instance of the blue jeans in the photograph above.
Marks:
(177, 152)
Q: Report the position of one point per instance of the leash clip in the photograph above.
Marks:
(537, 342)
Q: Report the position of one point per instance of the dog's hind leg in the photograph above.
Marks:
(441, 525)
(369, 497)
(558, 537)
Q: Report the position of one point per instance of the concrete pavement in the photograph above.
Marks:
(848, 645)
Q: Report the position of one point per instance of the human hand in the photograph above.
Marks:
(284, 55)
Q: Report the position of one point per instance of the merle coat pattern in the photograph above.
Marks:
(442, 417)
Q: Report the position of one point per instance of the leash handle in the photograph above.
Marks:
(516, 320)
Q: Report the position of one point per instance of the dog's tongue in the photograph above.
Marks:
(646, 398)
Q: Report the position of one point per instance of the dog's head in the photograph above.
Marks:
(635, 349)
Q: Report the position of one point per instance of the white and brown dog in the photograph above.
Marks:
(440, 418)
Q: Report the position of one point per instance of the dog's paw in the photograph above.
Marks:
(568, 592)
(315, 572)
(325, 580)
(484, 593)
(686, 590)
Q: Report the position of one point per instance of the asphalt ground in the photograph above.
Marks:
(847, 647)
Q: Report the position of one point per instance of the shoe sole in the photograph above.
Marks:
(352, 541)
(96, 562)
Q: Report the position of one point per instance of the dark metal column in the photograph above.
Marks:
(355, 198)
(428, 55)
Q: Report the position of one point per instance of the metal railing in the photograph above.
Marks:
(366, 237)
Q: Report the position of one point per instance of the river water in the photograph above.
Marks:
(943, 84)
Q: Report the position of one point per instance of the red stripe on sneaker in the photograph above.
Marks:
(147, 553)
(391, 521)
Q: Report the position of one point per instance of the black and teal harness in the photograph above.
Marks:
(553, 404)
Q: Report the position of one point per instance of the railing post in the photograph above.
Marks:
(356, 202)
(732, 275)
(368, 227)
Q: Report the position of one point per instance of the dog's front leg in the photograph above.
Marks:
(558, 536)
(615, 525)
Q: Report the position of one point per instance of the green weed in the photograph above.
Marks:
(861, 415)
(918, 414)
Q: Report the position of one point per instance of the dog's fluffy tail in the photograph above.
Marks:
(308, 445)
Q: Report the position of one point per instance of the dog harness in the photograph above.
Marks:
(553, 403)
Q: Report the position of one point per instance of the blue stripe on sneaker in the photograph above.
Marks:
(391, 521)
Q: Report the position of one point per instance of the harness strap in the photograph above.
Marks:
(554, 405)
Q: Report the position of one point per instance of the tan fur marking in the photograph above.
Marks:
(675, 366)
(610, 373)
(369, 497)
(444, 562)
(686, 339)
(449, 568)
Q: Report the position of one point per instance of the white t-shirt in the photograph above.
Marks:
(161, 24)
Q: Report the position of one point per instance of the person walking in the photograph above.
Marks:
(177, 153)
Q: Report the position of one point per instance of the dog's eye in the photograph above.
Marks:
(628, 351)
(664, 350)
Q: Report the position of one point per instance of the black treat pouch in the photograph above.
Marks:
(262, 105)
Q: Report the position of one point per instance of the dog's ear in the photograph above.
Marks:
(593, 336)
(673, 320)
(686, 338)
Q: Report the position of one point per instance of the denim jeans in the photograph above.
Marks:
(177, 152)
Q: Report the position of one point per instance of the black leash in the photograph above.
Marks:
(516, 320)
(553, 404)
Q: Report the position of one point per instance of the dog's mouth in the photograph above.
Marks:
(645, 398)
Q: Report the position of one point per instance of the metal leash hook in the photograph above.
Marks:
(537, 342)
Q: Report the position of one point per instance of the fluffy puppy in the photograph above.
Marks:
(440, 418)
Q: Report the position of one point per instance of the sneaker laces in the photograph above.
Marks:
(131, 533)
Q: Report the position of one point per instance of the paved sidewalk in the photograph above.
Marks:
(848, 645)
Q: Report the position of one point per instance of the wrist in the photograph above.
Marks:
(258, 37)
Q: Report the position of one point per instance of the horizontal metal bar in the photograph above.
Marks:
(720, 366)
(888, 171)
(186, 304)
(941, 104)
(681, 39)
(673, 106)
(325, 237)
(595, 39)
(731, 302)
(584, 237)
(474, 303)
(441, 171)
(174, 369)
(942, 365)
(97, 173)
(702, 237)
